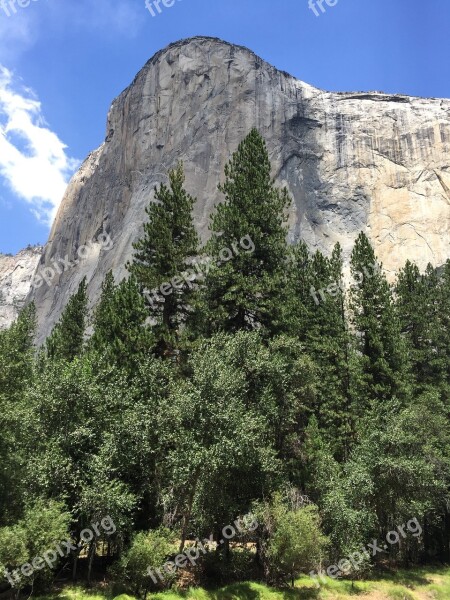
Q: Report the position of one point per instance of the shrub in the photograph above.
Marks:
(44, 526)
(291, 539)
(149, 550)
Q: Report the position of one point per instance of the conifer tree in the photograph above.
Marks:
(384, 364)
(316, 314)
(66, 341)
(444, 326)
(102, 314)
(419, 308)
(298, 302)
(328, 341)
(120, 331)
(16, 353)
(243, 288)
(162, 256)
(16, 376)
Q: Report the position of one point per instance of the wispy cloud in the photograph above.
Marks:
(18, 33)
(106, 18)
(111, 17)
(33, 160)
(27, 26)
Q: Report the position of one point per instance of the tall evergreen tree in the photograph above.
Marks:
(67, 338)
(384, 362)
(244, 292)
(162, 256)
(419, 308)
(120, 331)
(443, 336)
(16, 353)
(16, 375)
(102, 316)
(328, 341)
(316, 313)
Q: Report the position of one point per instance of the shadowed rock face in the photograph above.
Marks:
(352, 161)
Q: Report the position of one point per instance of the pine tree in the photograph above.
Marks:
(384, 364)
(419, 308)
(16, 376)
(66, 341)
(162, 257)
(329, 343)
(120, 331)
(102, 317)
(243, 287)
(444, 322)
(316, 313)
(16, 353)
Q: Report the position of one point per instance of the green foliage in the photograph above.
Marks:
(216, 442)
(423, 311)
(67, 338)
(443, 337)
(44, 526)
(121, 338)
(384, 365)
(316, 313)
(243, 293)
(16, 354)
(282, 377)
(149, 550)
(293, 541)
(16, 376)
(320, 470)
(162, 254)
(70, 458)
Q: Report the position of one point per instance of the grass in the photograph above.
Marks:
(414, 584)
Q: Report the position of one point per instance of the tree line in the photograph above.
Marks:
(267, 380)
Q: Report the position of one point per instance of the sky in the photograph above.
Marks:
(62, 62)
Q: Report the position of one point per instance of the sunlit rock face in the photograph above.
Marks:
(16, 273)
(352, 161)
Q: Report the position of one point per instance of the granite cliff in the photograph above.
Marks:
(16, 273)
(352, 161)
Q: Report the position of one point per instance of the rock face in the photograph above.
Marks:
(352, 161)
(16, 273)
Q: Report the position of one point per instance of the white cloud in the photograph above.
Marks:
(33, 160)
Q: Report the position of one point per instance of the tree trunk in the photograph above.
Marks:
(187, 513)
(91, 560)
(75, 558)
(74, 567)
(447, 537)
(226, 549)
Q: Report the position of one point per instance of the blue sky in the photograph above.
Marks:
(63, 61)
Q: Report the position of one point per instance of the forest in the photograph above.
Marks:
(244, 409)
